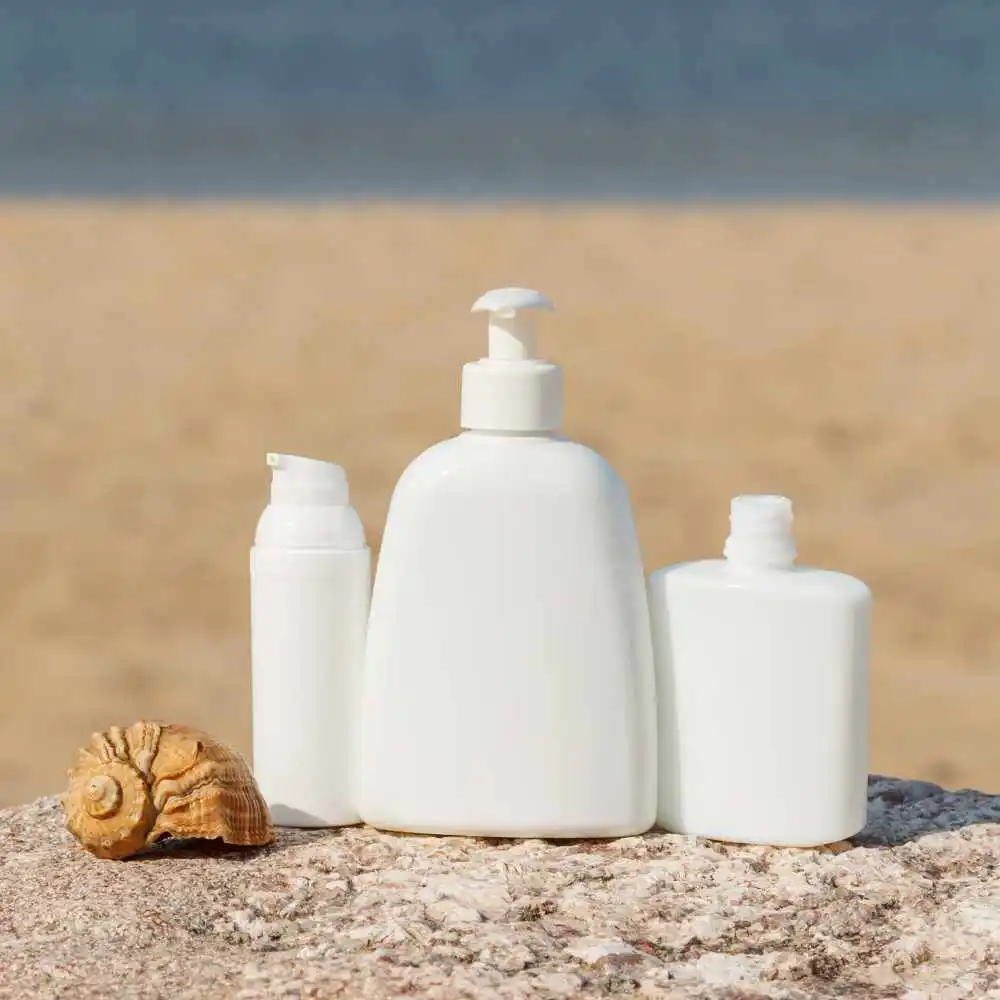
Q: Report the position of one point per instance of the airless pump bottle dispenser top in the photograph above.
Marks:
(762, 675)
(310, 573)
(508, 683)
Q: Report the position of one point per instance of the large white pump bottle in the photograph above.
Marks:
(508, 683)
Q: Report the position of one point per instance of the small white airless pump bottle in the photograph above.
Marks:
(762, 675)
(310, 570)
(508, 681)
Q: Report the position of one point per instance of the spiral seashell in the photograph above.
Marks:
(133, 787)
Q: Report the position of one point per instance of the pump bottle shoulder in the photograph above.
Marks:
(505, 465)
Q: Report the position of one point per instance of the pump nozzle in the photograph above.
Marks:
(511, 389)
(295, 479)
(512, 332)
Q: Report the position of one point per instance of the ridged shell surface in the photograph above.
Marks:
(132, 787)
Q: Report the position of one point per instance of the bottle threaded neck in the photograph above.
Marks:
(760, 532)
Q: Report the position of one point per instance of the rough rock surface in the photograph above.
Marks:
(911, 909)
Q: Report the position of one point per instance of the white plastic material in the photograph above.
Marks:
(508, 680)
(310, 577)
(762, 677)
(760, 532)
(511, 389)
(299, 480)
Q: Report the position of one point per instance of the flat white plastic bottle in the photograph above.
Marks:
(508, 680)
(310, 570)
(762, 676)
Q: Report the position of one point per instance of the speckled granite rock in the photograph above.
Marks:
(911, 909)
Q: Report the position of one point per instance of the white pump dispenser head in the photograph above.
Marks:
(307, 481)
(511, 389)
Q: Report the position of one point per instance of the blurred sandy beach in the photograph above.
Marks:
(151, 353)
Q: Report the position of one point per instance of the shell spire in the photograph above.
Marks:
(133, 787)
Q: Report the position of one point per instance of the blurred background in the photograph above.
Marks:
(231, 226)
